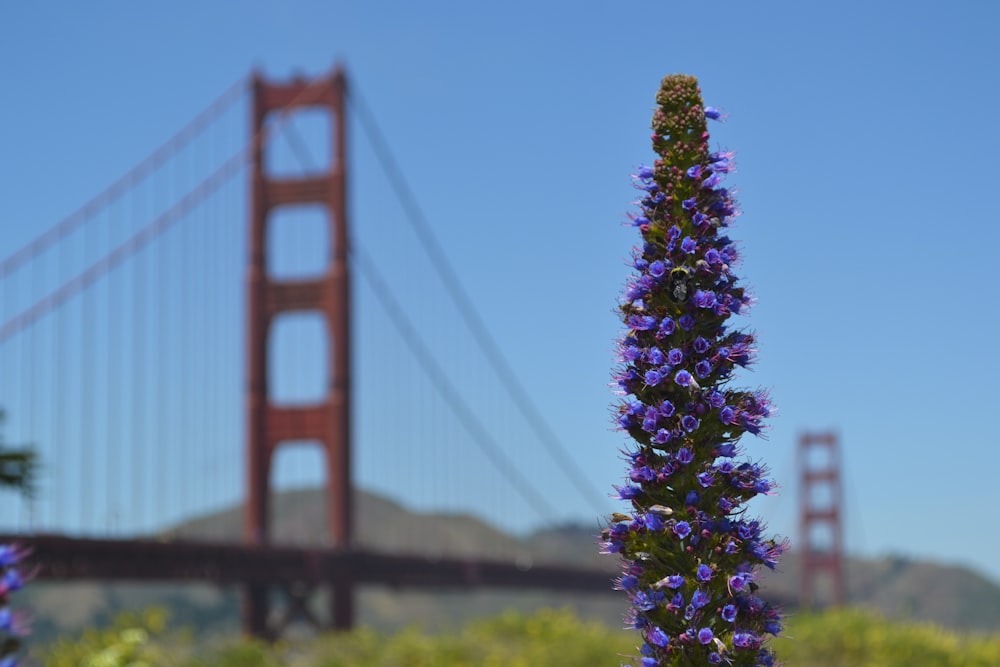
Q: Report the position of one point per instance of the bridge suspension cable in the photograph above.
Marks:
(467, 310)
(408, 332)
(127, 182)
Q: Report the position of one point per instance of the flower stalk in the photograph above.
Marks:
(690, 554)
(13, 625)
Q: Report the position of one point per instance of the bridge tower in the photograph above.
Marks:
(820, 536)
(326, 422)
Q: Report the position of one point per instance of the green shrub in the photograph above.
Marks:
(839, 638)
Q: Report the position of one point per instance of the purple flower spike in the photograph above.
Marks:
(687, 528)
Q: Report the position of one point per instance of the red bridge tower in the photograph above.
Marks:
(328, 421)
(820, 537)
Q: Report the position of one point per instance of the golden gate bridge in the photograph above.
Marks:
(166, 343)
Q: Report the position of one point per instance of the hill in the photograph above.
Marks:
(950, 596)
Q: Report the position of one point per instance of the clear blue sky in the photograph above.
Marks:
(865, 142)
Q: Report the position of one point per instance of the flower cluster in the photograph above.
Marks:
(13, 625)
(690, 554)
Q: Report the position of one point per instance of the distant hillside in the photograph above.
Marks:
(950, 596)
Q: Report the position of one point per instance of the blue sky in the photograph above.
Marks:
(864, 139)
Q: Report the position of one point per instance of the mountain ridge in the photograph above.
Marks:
(947, 595)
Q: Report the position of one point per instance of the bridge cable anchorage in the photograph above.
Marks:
(126, 182)
(491, 350)
(426, 359)
(452, 396)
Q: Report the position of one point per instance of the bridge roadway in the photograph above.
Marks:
(61, 558)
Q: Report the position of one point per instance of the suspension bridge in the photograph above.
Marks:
(215, 326)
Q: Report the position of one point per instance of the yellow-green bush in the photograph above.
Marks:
(844, 638)
(854, 638)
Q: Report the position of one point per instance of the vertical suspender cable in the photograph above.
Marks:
(138, 388)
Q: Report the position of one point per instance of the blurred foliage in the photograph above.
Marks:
(839, 638)
(855, 638)
(128, 643)
(18, 467)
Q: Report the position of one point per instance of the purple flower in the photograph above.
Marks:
(689, 245)
(685, 455)
(645, 173)
(727, 415)
(667, 326)
(714, 658)
(729, 613)
(705, 636)
(649, 423)
(666, 409)
(686, 322)
(653, 377)
(682, 529)
(657, 637)
(694, 172)
(642, 322)
(689, 204)
(629, 582)
(631, 353)
(642, 474)
(704, 299)
(643, 601)
(657, 268)
(662, 436)
(683, 378)
(703, 369)
(700, 599)
(713, 113)
(712, 181)
(11, 554)
(689, 423)
(10, 581)
(628, 492)
(675, 357)
(704, 573)
(655, 356)
(674, 581)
